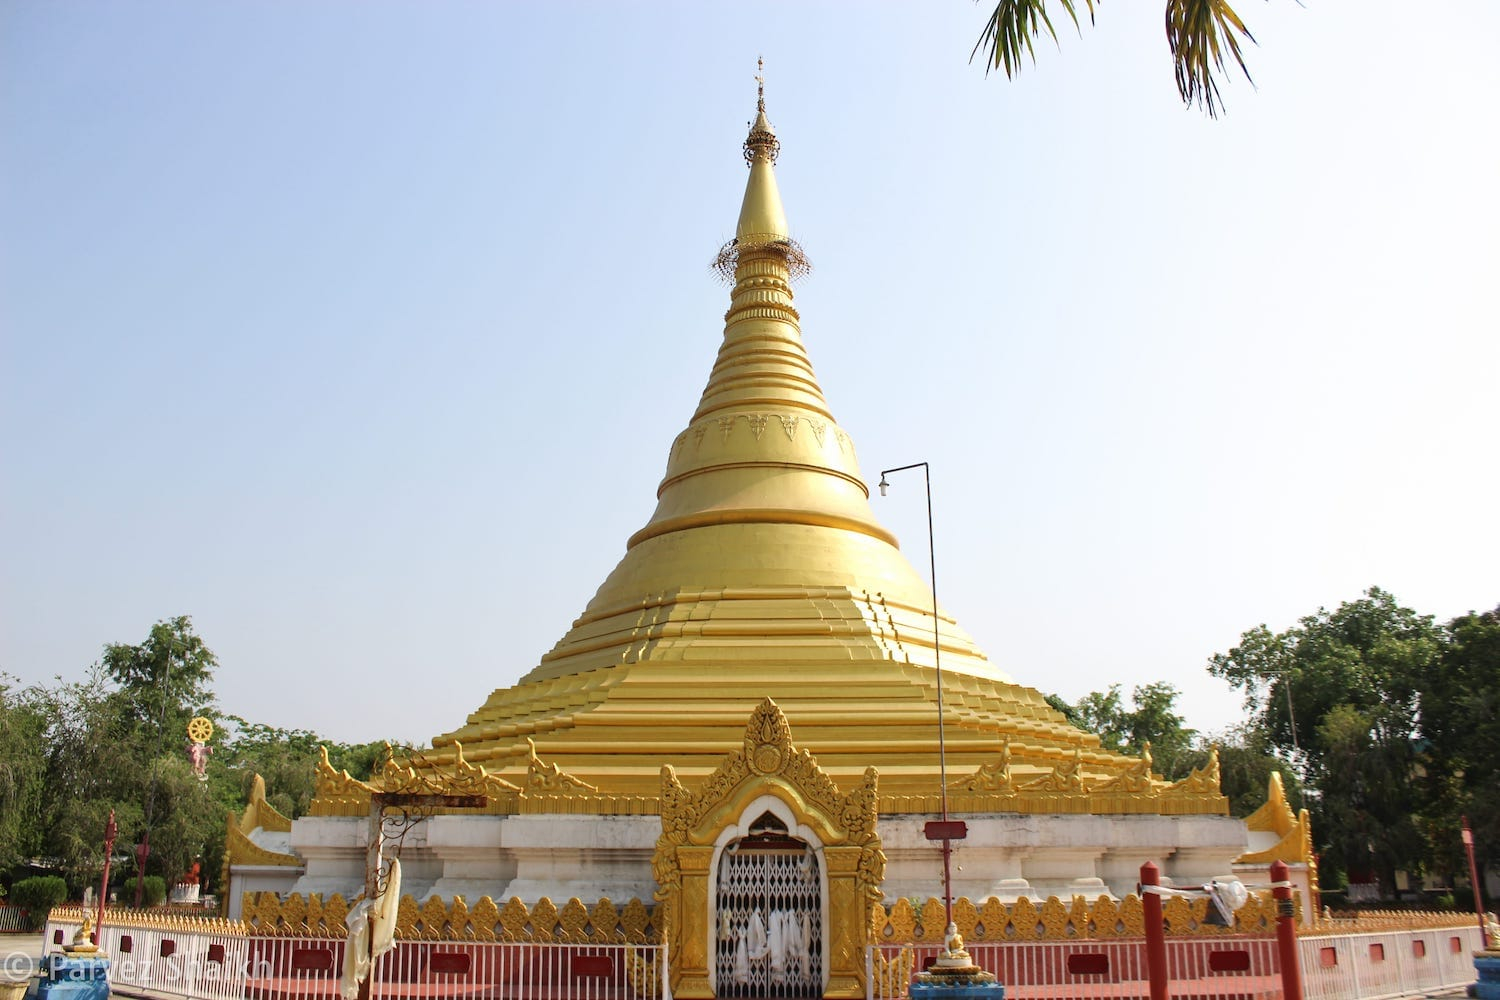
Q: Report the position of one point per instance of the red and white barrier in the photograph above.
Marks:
(198, 965)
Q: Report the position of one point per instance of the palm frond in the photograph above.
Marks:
(1200, 34)
(1013, 25)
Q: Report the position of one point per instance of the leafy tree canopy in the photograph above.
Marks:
(1340, 691)
(23, 774)
(166, 678)
(1152, 718)
(1460, 724)
(1370, 655)
(116, 740)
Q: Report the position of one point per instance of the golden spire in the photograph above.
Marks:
(746, 470)
(763, 572)
(762, 223)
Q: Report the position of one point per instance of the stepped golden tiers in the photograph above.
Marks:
(764, 572)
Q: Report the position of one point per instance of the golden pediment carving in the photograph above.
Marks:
(456, 777)
(1201, 781)
(1136, 778)
(337, 786)
(1066, 777)
(1198, 792)
(551, 779)
(993, 777)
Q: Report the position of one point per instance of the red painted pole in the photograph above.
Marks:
(1156, 935)
(110, 831)
(1286, 933)
(142, 852)
(1468, 835)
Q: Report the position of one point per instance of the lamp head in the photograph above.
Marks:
(882, 484)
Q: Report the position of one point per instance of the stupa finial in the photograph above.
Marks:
(762, 223)
(761, 143)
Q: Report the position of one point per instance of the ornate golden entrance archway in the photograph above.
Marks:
(772, 798)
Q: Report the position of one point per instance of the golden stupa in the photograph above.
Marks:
(751, 698)
(764, 573)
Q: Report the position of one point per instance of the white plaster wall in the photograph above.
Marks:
(589, 857)
(1008, 855)
(469, 851)
(257, 878)
(332, 849)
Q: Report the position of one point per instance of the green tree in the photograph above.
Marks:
(164, 681)
(91, 754)
(1460, 717)
(1202, 36)
(1246, 761)
(1340, 693)
(37, 896)
(167, 678)
(23, 774)
(1152, 718)
(117, 740)
(287, 760)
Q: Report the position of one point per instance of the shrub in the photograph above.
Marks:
(38, 895)
(153, 890)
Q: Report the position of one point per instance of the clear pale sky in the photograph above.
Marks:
(359, 331)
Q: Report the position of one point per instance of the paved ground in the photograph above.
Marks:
(19, 955)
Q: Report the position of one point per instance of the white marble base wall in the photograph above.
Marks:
(332, 849)
(473, 864)
(497, 856)
(258, 878)
(589, 857)
(1005, 855)
(1011, 855)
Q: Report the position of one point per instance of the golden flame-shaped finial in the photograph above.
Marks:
(760, 84)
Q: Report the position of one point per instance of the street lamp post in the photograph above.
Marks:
(945, 830)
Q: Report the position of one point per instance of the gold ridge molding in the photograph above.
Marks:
(760, 515)
(765, 464)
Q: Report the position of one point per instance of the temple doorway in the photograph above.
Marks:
(768, 902)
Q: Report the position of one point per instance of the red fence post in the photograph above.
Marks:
(1286, 933)
(1156, 935)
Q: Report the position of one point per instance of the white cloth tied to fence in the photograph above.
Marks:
(372, 932)
(1225, 895)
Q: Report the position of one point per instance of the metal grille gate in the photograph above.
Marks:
(769, 933)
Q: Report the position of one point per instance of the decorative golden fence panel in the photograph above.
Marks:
(912, 921)
(267, 915)
(1366, 921)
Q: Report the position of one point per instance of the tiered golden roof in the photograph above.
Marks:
(764, 573)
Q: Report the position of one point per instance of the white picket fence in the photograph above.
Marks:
(1370, 966)
(1211, 968)
(211, 966)
(12, 919)
(1410, 963)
